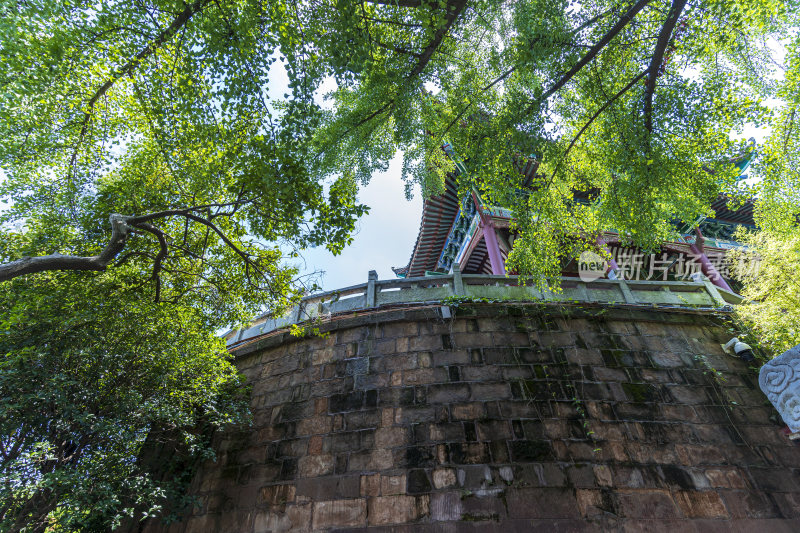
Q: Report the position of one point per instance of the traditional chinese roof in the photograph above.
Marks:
(743, 215)
(438, 214)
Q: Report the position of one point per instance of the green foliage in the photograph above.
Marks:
(107, 401)
(769, 272)
(769, 267)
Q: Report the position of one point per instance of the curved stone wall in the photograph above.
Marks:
(501, 417)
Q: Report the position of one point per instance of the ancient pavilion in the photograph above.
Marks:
(467, 231)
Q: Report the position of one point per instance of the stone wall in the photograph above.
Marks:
(501, 418)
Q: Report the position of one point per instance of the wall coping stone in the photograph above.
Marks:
(430, 290)
(433, 311)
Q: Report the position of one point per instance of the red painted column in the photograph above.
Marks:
(492, 246)
(707, 266)
(612, 264)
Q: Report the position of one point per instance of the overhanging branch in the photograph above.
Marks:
(454, 9)
(618, 27)
(32, 265)
(654, 69)
(179, 22)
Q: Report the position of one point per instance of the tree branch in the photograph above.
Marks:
(397, 3)
(454, 10)
(129, 67)
(162, 253)
(654, 69)
(31, 265)
(120, 230)
(593, 117)
(618, 27)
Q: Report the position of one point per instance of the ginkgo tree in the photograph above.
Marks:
(146, 165)
(769, 267)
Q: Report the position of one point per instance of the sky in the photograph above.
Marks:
(385, 237)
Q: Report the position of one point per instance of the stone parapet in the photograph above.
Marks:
(401, 292)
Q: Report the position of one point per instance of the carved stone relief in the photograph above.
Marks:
(779, 379)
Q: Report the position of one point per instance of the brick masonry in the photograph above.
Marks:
(503, 418)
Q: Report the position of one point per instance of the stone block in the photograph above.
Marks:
(602, 373)
(448, 393)
(557, 429)
(595, 503)
(322, 356)
(725, 478)
(445, 506)
(542, 503)
(468, 453)
(425, 343)
(315, 465)
(483, 505)
(371, 485)
(366, 419)
(345, 441)
(444, 477)
(666, 360)
(390, 437)
(371, 382)
(749, 504)
(686, 395)
(351, 401)
(398, 329)
(315, 445)
(581, 475)
(424, 376)
(380, 460)
(647, 503)
(275, 497)
(468, 411)
(499, 451)
(399, 509)
(391, 485)
(418, 481)
(415, 415)
(580, 356)
(603, 475)
(490, 391)
(530, 355)
(315, 425)
(472, 340)
(340, 513)
(328, 487)
(292, 447)
(446, 432)
(608, 430)
(788, 503)
(540, 475)
(775, 479)
(701, 504)
(493, 430)
(481, 373)
(678, 413)
(510, 338)
(450, 357)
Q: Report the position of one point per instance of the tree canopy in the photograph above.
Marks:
(144, 157)
(159, 112)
